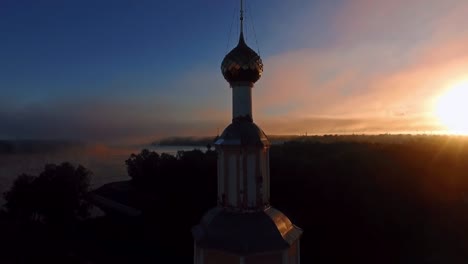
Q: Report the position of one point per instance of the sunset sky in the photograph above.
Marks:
(140, 70)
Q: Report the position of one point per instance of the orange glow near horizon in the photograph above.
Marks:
(451, 108)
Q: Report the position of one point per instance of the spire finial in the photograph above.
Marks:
(241, 38)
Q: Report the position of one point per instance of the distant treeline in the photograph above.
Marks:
(326, 138)
(185, 141)
(376, 202)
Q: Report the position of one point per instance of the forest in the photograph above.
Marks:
(358, 201)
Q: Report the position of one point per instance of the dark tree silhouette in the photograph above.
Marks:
(176, 192)
(20, 202)
(56, 196)
(143, 167)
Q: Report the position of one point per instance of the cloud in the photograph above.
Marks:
(387, 63)
(369, 75)
(334, 125)
(319, 91)
(97, 121)
(397, 21)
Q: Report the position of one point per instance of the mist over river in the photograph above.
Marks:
(106, 162)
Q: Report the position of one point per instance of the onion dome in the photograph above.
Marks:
(242, 64)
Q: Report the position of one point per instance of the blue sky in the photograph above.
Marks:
(67, 48)
(136, 70)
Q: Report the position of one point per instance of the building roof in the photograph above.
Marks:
(119, 197)
(245, 233)
(243, 133)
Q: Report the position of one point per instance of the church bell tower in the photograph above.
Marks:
(243, 227)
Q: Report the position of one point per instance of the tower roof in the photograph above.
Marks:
(242, 64)
(243, 133)
(246, 233)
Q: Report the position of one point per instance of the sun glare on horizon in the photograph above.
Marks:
(451, 108)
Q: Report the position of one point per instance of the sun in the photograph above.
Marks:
(452, 109)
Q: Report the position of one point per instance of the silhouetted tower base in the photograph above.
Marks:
(265, 236)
